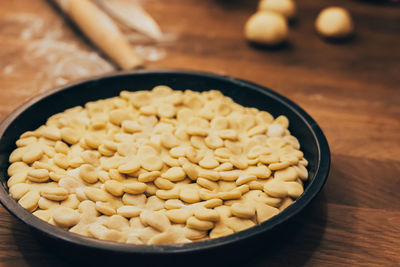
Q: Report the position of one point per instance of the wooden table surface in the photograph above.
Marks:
(351, 89)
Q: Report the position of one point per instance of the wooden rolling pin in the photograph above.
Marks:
(102, 31)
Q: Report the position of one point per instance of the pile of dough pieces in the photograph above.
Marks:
(269, 25)
(158, 167)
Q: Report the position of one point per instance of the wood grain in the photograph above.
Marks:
(350, 88)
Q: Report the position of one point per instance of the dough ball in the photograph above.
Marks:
(334, 22)
(266, 27)
(285, 7)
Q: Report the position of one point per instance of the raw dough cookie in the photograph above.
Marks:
(334, 22)
(266, 27)
(285, 7)
(158, 167)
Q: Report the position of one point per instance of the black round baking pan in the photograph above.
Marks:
(35, 112)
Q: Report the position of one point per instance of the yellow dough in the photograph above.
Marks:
(266, 27)
(334, 22)
(285, 7)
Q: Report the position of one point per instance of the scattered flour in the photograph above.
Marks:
(45, 50)
(54, 58)
(8, 69)
(149, 53)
